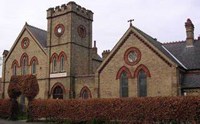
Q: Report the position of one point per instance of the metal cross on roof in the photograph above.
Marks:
(130, 21)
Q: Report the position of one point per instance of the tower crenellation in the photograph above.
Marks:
(69, 7)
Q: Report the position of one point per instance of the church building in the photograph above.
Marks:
(66, 63)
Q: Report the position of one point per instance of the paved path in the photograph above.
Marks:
(18, 122)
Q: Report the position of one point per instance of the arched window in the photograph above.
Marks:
(54, 64)
(142, 83)
(24, 65)
(14, 69)
(124, 85)
(62, 63)
(33, 67)
(34, 63)
(85, 93)
(58, 93)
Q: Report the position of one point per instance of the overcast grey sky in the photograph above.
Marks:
(162, 19)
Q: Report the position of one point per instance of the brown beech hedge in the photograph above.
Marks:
(5, 106)
(136, 110)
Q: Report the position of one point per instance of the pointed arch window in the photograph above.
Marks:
(142, 84)
(85, 93)
(124, 85)
(62, 63)
(33, 67)
(54, 64)
(58, 93)
(14, 69)
(24, 65)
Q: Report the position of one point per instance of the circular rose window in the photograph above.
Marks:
(132, 56)
(59, 30)
(25, 43)
(81, 31)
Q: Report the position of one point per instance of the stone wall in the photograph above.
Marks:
(162, 76)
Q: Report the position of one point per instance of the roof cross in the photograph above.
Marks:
(130, 21)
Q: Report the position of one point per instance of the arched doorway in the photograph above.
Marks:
(58, 91)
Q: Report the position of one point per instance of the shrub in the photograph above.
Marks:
(30, 87)
(5, 107)
(26, 85)
(135, 110)
(13, 88)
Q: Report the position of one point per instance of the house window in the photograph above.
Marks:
(33, 67)
(124, 85)
(14, 69)
(57, 93)
(142, 84)
(62, 63)
(54, 64)
(85, 93)
(24, 65)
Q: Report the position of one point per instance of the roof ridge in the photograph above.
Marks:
(36, 27)
(173, 42)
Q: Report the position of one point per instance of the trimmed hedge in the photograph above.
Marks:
(135, 110)
(5, 108)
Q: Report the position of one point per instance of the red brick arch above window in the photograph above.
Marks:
(62, 54)
(54, 55)
(139, 68)
(15, 62)
(121, 70)
(34, 58)
(60, 85)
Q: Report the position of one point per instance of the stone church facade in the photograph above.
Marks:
(66, 63)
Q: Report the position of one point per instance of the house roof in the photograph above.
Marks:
(189, 56)
(159, 46)
(39, 34)
(153, 42)
(191, 81)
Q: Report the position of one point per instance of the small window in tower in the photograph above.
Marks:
(54, 64)
(82, 31)
(59, 30)
(62, 63)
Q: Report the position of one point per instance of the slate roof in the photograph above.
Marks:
(191, 81)
(39, 34)
(158, 45)
(189, 56)
(97, 57)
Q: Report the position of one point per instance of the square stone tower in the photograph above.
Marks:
(69, 42)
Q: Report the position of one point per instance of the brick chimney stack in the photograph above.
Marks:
(105, 54)
(189, 33)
